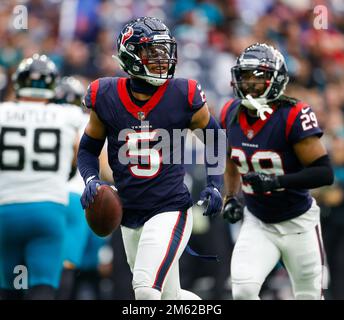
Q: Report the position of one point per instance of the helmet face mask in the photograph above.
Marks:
(147, 50)
(253, 81)
(260, 72)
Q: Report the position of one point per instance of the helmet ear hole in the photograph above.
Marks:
(125, 58)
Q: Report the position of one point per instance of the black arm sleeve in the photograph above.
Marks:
(89, 151)
(213, 137)
(319, 173)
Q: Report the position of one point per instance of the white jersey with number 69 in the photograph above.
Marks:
(36, 151)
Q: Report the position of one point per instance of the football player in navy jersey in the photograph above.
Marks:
(275, 155)
(157, 214)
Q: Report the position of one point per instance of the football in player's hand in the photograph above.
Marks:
(104, 215)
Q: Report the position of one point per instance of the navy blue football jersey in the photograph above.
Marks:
(267, 146)
(147, 185)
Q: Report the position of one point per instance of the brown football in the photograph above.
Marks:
(104, 215)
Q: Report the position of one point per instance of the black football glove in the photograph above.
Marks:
(232, 210)
(261, 182)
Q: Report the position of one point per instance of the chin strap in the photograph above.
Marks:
(142, 86)
(257, 104)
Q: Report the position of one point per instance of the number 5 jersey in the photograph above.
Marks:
(36, 151)
(267, 146)
(151, 183)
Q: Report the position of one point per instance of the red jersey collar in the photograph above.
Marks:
(251, 131)
(140, 113)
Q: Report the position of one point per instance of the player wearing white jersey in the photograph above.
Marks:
(36, 151)
(38, 141)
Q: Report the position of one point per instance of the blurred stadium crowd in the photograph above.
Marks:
(80, 36)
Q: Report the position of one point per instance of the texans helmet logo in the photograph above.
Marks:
(127, 35)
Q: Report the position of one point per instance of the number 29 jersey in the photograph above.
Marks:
(36, 151)
(267, 146)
